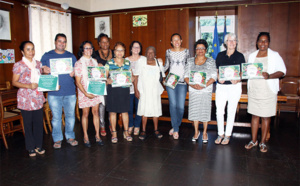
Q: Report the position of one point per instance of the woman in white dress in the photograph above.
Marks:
(149, 90)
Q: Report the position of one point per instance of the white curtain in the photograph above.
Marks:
(44, 24)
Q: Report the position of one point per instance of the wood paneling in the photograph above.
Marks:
(282, 21)
(19, 32)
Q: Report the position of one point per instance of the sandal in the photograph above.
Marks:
(72, 142)
(40, 150)
(32, 153)
(103, 132)
(263, 147)
(143, 135)
(136, 131)
(130, 129)
(171, 131)
(219, 140)
(175, 135)
(114, 139)
(99, 141)
(157, 134)
(251, 144)
(206, 139)
(128, 138)
(86, 143)
(225, 140)
(57, 145)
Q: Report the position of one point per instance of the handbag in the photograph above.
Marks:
(161, 77)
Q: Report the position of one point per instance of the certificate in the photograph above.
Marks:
(48, 83)
(197, 77)
(172, 80)
(96, 87)
(61, 66)
(231, 72)
(252, 70)
(96, 73)
(121, 78)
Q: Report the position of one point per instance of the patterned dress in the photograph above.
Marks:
(84, 101)
(28, 99)
(200, 100)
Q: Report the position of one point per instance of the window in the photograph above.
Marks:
(205, 26)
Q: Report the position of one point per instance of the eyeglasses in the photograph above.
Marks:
(136, 47)
(119, 50)
(88, 48)
(202, 48)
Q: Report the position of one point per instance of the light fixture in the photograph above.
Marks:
(65, 6)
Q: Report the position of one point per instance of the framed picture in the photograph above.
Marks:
(139, 20)
(5, 25)
(103, 25)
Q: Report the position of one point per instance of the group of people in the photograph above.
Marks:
(143, 98)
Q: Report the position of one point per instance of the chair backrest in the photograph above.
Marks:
(290, 85)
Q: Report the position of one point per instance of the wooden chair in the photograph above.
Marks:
(290, 87)
(5, 86)
(7, 117)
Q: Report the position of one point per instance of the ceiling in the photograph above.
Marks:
(109, 5)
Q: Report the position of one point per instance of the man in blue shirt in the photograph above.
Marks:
(65, 97)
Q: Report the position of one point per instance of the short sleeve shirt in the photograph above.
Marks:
(28, 99)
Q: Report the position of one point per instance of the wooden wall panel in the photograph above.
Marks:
(282, 21)
(19, 32)
(78, 33)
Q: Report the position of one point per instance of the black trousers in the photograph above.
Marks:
(33, 125)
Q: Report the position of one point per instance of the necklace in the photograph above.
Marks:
(105, 57)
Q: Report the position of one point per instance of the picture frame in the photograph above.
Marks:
(5, 31)
(103, 25)
(139, 20)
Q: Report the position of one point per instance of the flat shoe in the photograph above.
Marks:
(171, 131)
(32, 153)
(263, 147)
(57, 145)
(72, 142)
(225, 140)
(219, 140)
(251, 144)
(40, 150)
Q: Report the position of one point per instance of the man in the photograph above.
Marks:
(65, 97)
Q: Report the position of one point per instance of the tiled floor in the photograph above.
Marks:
(159, 162)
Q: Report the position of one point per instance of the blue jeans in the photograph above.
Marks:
(56, 104)
(136, 122)
(176, 104)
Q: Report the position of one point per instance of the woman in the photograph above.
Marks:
(176, 58)
(86, 100)
(149, 90)
(135, 58)
(200, 97)
(103, 55)
(262, 93)
(118, 98)
(228, 91)
(30, 101)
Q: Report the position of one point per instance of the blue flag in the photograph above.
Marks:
(216, 46)
(225, 32)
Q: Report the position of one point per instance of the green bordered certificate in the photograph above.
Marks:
(252, 70)
(96, 73)
(61, 66)
(121, 78)
(172, 80)
(48, 83)
(231, 72)
(197, 77)
(96, 87)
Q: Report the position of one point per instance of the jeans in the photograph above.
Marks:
(232, 94)
(134, 122)
(56, 104)
(176, 104)
(33, 126)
